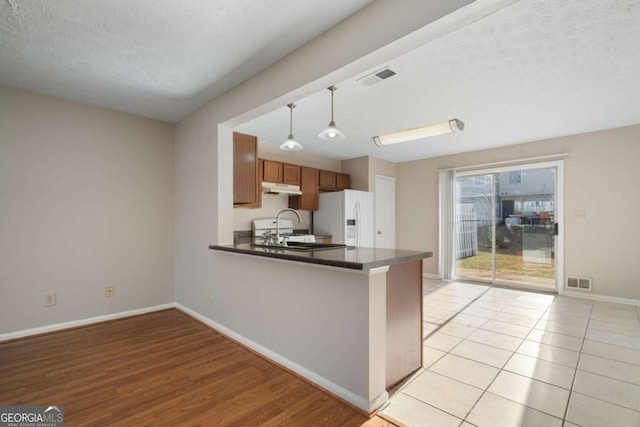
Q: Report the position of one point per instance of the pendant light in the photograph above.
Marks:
(331, 132)
(453, 125)
(291, 144)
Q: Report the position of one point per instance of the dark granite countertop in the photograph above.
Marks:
(352, 257)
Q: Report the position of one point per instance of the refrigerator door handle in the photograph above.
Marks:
(358, 222)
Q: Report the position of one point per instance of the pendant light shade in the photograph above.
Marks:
(291, 144)
(331, 132)
(453, 125)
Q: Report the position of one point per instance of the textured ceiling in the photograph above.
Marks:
(536, 69)
(157, 58)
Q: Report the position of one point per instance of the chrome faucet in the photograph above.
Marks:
(278, 223)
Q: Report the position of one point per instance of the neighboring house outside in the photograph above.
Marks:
(524, 200)
(527, 194)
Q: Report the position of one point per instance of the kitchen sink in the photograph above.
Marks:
(312, 246)
(303, 246)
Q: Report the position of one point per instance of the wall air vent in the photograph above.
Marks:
(584, 284)
(377, 76)
(579, 283)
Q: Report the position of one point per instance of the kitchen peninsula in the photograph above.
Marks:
(348, 319)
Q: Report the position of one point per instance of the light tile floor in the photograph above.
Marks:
(502, 357)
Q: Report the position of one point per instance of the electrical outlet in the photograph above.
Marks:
(109, 291)
(211, 298)
(50, 299)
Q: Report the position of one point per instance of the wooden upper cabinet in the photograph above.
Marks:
(258, 203)
(343, 181)
(279, 172)
(272, 171)
(291, 174)
(327, 180)
(245, 169)
(332, 181)
(308, 201)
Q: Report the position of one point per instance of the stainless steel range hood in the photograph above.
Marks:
(277, 188)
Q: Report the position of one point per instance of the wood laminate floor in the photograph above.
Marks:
(163, 368)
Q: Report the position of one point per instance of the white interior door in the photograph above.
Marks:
(385, 212)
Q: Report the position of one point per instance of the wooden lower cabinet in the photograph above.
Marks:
(323, 239)
(404, 321)
(308, 201)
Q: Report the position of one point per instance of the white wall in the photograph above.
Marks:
(600, 179)
(271, 205)
(380, 167)
(86, 198)
(358, 170)
(204, 203)
(273, 152)
(363, 171)
(315, 315)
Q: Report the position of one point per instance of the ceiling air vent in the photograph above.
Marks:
(579, 283)
(377, 77)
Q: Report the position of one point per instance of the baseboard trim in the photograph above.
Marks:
(596, 297)
(378, 402)
(431, 276)
(348, 396)
(82, 322)
(344, 394)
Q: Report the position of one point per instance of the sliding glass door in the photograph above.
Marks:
(474, 209)
(505, 226)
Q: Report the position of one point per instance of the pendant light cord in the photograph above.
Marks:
(291, 107)
(331, 133)
(332, 90)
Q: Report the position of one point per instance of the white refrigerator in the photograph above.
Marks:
(347, 216)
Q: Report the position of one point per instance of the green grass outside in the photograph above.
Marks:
(506, 264)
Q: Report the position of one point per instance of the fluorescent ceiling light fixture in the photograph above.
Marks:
(331, 132)
(453, 125)
(291, 144)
